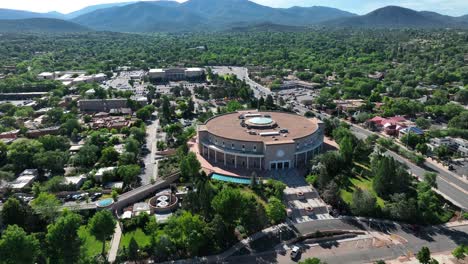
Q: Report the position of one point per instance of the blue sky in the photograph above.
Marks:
(449, 7)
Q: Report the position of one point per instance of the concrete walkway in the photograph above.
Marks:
(115, 242)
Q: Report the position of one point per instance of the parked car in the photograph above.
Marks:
(295, 252)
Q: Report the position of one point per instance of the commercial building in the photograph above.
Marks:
(176, 74)
(457, 145)
(72, 77)
(102, 105)
(260, 140)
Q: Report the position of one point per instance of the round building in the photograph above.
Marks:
(260, 140)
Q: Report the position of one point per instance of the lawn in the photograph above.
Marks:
(363, 183)
(140, 237)
(91, 246)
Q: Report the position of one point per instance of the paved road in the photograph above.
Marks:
(151, 140)
(243, 74)
(438, 239)
(450, 185)
(115, 242)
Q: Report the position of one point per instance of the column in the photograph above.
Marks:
(235, 161)
(295, 163)
(208, 153)
(247, 162)
(261, 163)
(224, 158)
(216, 156)
(305, 158)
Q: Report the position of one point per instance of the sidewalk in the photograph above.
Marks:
(443, 258)
(112, 255)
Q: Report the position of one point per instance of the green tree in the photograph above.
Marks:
(402, 207)
(16, 247)
(431, 179)
(253, 180)
(133, 249)
(275, 210)
(228, 203)
(423, 123)
(166, 109)
(424, 255)
(460, 252)
(363, 203)
(63, 242)
(189, 232)
(21, 153)
(87, 156)
(101, 226)
(14, 213)
(109, 156)
(190, 166)
(52, 161)
(312, 261)
(442, 152)
(46, 205)
(128, 173)
(132, 145)
(71, 125)
(51, 142)
(346, 150)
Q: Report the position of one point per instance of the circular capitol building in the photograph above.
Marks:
(260, 140)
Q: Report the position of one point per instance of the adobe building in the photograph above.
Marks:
(260, 140)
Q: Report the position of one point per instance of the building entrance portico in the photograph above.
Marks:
(280, 165)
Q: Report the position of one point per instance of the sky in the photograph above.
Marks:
(447, 7)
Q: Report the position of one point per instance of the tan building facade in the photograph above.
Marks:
(260, 140)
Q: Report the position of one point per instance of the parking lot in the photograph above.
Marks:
(122, 82)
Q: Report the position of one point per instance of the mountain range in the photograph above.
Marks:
(216, 15)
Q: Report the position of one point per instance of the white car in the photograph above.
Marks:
(295, 252)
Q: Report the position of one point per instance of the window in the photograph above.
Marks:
(232, 145)
(254, 148)
(298, 146)
(216, 142)
(223, 144)
(243, 147)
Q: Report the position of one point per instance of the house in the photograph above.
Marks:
(139, 208)
(110, 122)
(35, 133)
(114, 185)
(13, 134)
(46, 76)
(98, 176)
(391, 125)
(74, 148)
(350, 105)
(412, 130)
(376, 76)
(24, 180)
(76, 181)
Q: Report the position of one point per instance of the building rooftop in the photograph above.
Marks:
(229, 126)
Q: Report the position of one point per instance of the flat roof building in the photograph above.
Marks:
(176, 74)
(260, 140)
(102, 105)
(25, 179)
